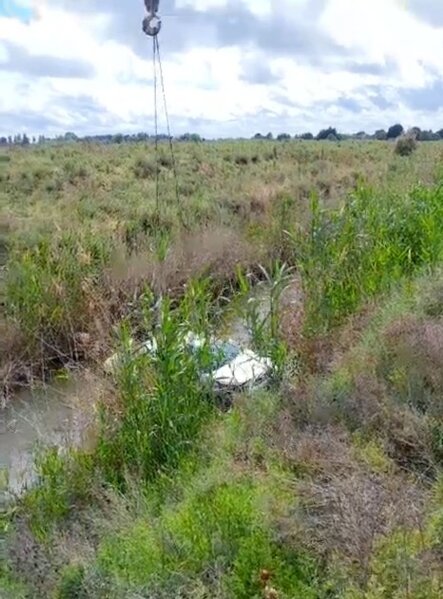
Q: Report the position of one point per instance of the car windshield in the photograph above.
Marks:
(223, 353)
(220, 353)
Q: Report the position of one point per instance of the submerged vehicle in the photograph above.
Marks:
(230, 367)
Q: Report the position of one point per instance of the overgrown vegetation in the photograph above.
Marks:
(82, 234)
(405, 145)
(162, 401)
(328, 484)
(369, 243)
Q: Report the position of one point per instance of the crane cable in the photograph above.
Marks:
(153, 31)
(154, 64)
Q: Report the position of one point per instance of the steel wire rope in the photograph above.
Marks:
(165, 104)
(157, 191)
(156, 60)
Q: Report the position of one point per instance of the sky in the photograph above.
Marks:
(231, 67)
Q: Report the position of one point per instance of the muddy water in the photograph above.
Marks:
(63, 414)
(53, 415)
(59, 414)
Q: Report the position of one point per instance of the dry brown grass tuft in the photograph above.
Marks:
(292, 316)
(261, 198)
(347, 514)
(34, 562)
(14, 363)
(367, 407)
(415, 348)
(344, 506)
(363, 405)
(315, 451)
(214, 251)
(39, 564)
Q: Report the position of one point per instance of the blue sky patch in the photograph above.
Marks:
(20, 9)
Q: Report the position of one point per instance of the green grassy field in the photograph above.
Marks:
(82, 230)
(326, 485)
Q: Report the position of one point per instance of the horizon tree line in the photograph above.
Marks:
(331, 134)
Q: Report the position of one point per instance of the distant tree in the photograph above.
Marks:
(395, 131)
(332, 137)
(190, 137)
(258, 136)
(325, 133)
(142, 136)
(361, 135)
(118, 138)
(70, 137)
(306, 136)
(25, 140)
(414, 132)
(440, 133)
(427, 136)
(283, 137)
(269, 136)
(9, 139)
(3, 141)
(381, 135)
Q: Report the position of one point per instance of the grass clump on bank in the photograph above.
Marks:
(52, 289)
(162, 401)
(351, 253)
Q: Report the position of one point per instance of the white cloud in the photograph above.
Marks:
(261, 8)
(382, 30)
(377, 49)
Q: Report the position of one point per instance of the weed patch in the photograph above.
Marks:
(216, 536)
(352, 253)
(163, 401)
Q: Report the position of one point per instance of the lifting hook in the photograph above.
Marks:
(152, 22)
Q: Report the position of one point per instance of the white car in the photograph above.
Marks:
(232, 367)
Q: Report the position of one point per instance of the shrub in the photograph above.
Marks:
(404, 565)
(405, 145)
(166, 161)
(144, 168)
(218, 536)
(346, 514)
(64, 482)
(241, 160)
(71, 585)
